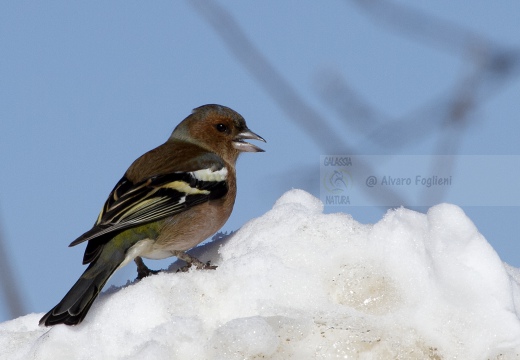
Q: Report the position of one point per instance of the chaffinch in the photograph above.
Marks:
(169, 200)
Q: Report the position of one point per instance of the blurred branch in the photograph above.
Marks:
(417, 24)
(495, 64)
(349, 105)
(276, 86)
(8, 283)
(492, 66)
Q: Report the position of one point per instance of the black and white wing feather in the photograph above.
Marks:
(158, 197)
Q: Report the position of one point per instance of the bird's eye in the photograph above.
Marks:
(221, 127)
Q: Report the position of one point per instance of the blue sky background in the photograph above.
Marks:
(87, 87)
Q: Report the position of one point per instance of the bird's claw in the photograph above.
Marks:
(143, 270)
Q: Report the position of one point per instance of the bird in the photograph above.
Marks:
(168, 201)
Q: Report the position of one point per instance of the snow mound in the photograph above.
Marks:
(299, 284)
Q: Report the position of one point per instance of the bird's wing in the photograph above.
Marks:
(134, 204)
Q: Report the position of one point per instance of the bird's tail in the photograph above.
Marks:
(72, 309)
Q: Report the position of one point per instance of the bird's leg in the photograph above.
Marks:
(143, 270)
(191, 260)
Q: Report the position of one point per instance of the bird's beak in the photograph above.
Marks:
(241, 145)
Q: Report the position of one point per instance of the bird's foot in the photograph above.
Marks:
(191, 260)
(143, 270)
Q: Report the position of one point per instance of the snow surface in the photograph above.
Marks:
(299, 284)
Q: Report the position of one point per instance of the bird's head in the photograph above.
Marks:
(218, 129)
